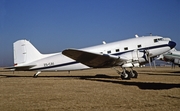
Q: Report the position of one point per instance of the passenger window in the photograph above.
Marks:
(117, 50)
(139, 46)
(108, 52)
(126, 48)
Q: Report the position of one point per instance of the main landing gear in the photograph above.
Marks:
(127, 75)
(36, 75)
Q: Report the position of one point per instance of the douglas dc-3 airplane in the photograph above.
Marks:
(127, 53)
(171, 56)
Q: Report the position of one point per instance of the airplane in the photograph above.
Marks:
(171, 56)
(127, 53)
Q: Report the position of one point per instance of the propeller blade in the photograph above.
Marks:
(173, 65)
(154, 64)
(149, 59)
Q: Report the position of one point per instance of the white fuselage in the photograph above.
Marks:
(155, 45)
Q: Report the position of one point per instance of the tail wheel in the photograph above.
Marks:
(126, 75)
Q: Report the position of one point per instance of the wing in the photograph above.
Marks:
(91, 59)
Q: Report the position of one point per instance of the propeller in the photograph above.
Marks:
(172, 65)
(154, 64)
(150, 59)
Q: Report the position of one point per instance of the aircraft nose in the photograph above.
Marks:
(171, 44)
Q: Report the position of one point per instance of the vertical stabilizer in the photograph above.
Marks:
(25, 52)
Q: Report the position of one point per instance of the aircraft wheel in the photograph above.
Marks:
(134, 74)
(35, 76)
(126, 75)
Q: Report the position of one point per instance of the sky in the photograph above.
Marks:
(54, 25)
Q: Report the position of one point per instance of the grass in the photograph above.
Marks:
(96, 89)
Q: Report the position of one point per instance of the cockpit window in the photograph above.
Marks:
(155, 40)
(160, 39)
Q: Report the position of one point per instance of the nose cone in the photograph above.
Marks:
(171, 44)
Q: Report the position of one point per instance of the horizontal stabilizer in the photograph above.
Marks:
(21, 68)
(90, 59)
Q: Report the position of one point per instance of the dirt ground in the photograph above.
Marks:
(90, 90)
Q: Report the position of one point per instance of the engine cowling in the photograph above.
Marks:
(177, 61)
(136, 58)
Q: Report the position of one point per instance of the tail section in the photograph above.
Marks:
(25, 52)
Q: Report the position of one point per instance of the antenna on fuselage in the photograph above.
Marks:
(104, 42)
(136, 36)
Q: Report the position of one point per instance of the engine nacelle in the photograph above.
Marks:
(142, 60)
(131, 65)
(177, 61)
(127, 65)
(135, 56)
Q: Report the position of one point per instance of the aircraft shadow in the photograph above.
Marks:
(141, 85)
(178, 74)
(112, 79)
(175, 72)
(59, 76)
(13, 76)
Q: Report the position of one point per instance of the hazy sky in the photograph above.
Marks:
(54, 25)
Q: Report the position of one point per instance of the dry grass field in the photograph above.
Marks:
(90, 90)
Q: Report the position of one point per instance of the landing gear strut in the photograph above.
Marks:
(36, 75)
